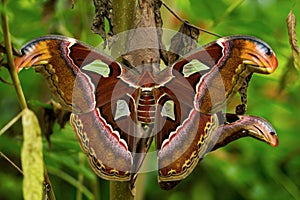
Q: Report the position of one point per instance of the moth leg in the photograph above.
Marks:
(241, 108)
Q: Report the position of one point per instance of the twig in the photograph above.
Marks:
(187, 22)
(10, 123)
(48, 190)
(228, 11)
(11, 67)
(10, 60)
(11, 162)
(123, 21)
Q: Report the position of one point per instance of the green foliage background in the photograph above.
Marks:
(245, 169)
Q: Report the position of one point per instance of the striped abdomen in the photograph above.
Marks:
(146, 106)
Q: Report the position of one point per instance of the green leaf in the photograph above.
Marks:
(32, 157)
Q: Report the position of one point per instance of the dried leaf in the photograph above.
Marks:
(183, 42)
(158, 25)
(291, 23)
(51, 115)
(103, 10)
(32, 157)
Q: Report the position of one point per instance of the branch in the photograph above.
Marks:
(123, 19)
(13, 72)
(184, 21)
(120, 190)
(10, 59)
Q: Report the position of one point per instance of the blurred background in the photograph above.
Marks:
(244, 169)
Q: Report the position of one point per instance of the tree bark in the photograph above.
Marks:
(140, 46)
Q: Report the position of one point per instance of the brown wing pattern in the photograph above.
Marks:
(117, 111)
(88, 95)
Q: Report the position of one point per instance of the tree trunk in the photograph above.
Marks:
(141, 19)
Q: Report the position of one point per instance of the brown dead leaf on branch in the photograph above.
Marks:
(183, 42)
(103, 9)
(290, 74)
(291, 23)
